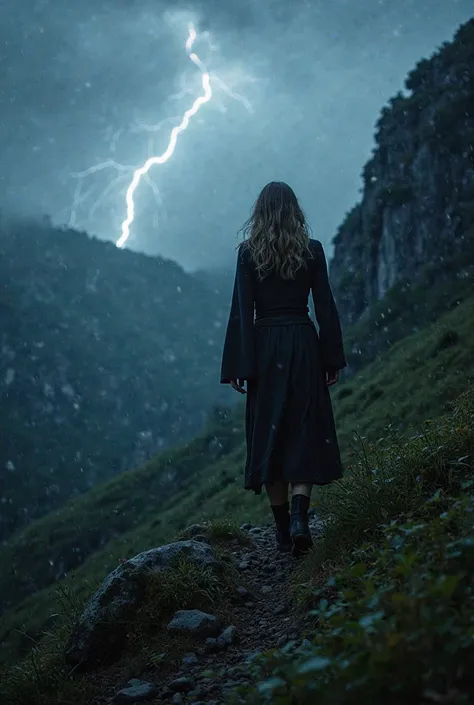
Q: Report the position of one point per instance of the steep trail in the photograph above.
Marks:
(263, 615)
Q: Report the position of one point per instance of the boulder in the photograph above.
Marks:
(194, 623)
(136, 692)
(100, 633)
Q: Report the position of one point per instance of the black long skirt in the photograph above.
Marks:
(290, 430)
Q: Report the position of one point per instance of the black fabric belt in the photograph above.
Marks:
(284, 321)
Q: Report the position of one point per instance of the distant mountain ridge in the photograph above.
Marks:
(106, 356)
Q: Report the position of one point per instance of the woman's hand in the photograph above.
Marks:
(238, 385)
(332, 376)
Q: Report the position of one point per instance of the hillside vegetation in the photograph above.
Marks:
(385, 596)
(106, 357)
(86, 538)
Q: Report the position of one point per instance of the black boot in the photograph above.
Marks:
(281, 512)
(299, 527)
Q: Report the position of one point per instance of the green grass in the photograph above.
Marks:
(221, 530)
(413, 380)
(393, 478)
(387, 592)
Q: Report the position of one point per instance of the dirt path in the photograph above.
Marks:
(263, 617)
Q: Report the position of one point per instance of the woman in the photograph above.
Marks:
(272, 345)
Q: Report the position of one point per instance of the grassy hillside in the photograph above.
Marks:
(385, 597)
(387, 594)
(414, 380)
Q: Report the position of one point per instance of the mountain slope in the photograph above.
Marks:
(416, 378)
(106, 356)
(362, 618)
(417, 206)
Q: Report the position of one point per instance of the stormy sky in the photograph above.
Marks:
(81, 80)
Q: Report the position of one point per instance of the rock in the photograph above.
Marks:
(243, 592)
(212, 644)
(244, 565)
(268, 569)
(229, 635)
(196, 694)
(166, 693)
(230, 685)
(189, 659)
(195, 623)
(201, 538)
(266, 589)
(253, 655)
(191, 531)
(246, 527)
(316, 525)
(181, 685)
(136, 692)
(178, 699)
(102, 627)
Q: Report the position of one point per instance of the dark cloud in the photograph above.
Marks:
(72, 75)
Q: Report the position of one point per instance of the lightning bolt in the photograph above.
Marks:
(135, 175)
(175, 132)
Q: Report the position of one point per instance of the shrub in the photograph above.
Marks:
(446, 340)
(399, 627)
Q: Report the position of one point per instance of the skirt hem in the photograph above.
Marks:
(317, 483)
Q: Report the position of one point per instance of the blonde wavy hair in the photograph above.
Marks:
(276, 233)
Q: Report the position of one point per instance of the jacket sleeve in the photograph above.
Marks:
(330, 333)
(238, 358)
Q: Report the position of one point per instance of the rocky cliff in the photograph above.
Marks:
(418, 187)
(106, 356)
